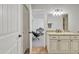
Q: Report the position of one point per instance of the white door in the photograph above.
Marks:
(30, 27)
(25, 28)
(9, 28)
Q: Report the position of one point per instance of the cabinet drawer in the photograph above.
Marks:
(53, 37)
(64, 37)
(74, 37)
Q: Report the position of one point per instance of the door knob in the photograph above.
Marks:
(19, 35)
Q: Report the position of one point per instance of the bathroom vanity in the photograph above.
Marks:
(63, 42)
(60, 37)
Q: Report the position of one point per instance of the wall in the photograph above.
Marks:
(72, 13)
(37, 22)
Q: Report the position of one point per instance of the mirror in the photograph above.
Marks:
(58, 22)
(65, 22)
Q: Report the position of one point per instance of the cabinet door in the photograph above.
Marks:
(64, 45)
(74, 45)
(52, 46)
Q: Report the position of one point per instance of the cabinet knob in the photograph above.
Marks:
(71, 40)
(59, 40)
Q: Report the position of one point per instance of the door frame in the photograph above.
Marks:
(28, 6)
(30, 27)
(45, 24)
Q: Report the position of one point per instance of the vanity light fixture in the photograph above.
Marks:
(57, 12)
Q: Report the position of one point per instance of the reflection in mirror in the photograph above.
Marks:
(58, 23)
(49, 25)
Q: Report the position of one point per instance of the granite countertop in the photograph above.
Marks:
(62, 33)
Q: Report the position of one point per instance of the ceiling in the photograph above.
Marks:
(48, 6)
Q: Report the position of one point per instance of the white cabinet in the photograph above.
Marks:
(53, 45)
(75, 45)
(65, 37)
(63, 43)
(64, 46)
